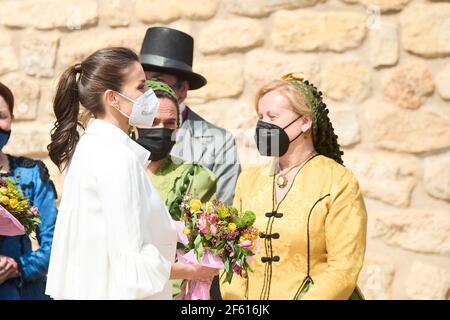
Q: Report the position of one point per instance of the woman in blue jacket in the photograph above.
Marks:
(22, 270)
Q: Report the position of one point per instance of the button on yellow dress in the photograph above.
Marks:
(322, 217)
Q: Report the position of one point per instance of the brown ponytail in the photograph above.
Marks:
(85, 83)
(66, 106)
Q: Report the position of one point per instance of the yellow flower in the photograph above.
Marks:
(232, 227)
(209, 207)
(223, 212)
(13, 203)
(3, 190)
(244, 237)
(187, 231)
(4, 200)
(195, 205)
(294, 76)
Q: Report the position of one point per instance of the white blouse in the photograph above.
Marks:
(114, 238)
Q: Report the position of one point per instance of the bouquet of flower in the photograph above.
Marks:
(16, 214)
(217, 236)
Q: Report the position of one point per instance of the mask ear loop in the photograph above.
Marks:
(126, 98)
(300, 132)
(292, 122)
(296, 137)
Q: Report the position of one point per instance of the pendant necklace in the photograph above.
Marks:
(282, 179)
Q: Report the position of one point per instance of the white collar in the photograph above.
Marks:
(182, 106)
(103, 128)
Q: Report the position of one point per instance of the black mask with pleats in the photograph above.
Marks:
(156, 140)
(272, 140)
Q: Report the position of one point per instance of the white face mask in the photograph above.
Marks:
(144, 109)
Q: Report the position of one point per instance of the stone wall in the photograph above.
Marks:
(383, 65)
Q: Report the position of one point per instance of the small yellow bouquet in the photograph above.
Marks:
(17, 216)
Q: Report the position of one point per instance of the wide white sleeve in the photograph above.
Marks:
(137, 270)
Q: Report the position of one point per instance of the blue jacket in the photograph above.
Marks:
(34, 180)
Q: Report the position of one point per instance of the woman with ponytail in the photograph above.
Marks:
(114, 238)
(309, 206)
(23, 270)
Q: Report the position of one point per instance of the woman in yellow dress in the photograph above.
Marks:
(309, 207)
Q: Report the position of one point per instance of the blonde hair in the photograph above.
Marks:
(296, 98)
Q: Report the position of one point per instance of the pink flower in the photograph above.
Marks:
(245, 244)
(213, 229)
(212, 218)
(232, 235)
(202, 225)
(182, 238)
(255, 250)
(230, 249)
(34, 211)
(237, 268)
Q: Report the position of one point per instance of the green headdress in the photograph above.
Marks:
(324, 138)
(158, 86)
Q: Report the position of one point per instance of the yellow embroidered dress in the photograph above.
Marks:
(313, 241)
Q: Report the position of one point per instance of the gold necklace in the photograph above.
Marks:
(282, 179)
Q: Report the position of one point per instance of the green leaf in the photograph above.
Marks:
(200, 251)
(229, 276)
(227, 265)
(198, 247)
(197, 240)
(245, 219)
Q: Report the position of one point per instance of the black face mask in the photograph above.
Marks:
(4, 137)
(156, 140)
(272, 140)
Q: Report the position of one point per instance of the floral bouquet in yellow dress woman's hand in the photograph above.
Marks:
(16, 215)
(217, 236)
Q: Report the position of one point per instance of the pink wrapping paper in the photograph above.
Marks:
(9, 225)
(199, 290)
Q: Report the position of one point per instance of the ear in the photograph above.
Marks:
(110, 98)
(186, 85)
(306, 121)
(182, 92)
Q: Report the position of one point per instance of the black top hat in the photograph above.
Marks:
(170, 51)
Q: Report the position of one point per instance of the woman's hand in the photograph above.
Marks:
(8, 268)
(193, 272)
(203, 273)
